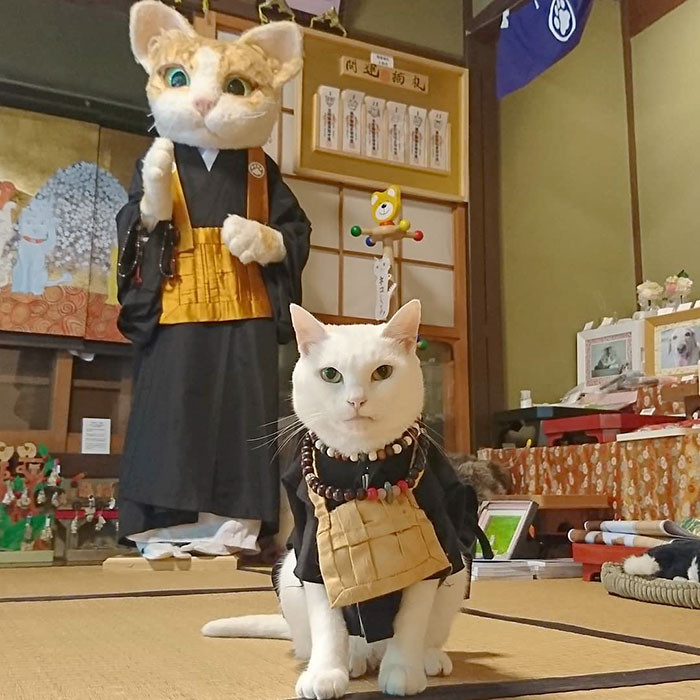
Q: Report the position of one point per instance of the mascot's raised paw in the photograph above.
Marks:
(322, 684)
(157, 202)
(251, 241)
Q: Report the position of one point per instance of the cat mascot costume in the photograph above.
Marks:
(212, 246)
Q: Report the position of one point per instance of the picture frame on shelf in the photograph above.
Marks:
(610, 350)
(672, 342)
(506, 525)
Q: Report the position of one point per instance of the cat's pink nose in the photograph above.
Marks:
(357, 403)
(203, 105)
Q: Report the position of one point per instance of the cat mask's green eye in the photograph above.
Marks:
(331, 375)
(382, 372)
(176, 77)
(238, 86)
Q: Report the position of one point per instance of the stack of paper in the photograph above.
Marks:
(556, 568)
(501, 569)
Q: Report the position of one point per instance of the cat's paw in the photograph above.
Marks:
(437, 663)
(251, 241)
(322, 684)
(397, 678)
(359, 657)
(157, 201)
(376, 654)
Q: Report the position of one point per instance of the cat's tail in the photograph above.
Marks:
(644, 565)
(251, 626)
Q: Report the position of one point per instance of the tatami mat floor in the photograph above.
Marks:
(147, 644)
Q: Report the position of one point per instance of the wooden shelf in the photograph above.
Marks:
(24, 380)
(98, 384)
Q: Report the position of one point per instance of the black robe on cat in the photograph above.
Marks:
(205, 393)
(450, 505)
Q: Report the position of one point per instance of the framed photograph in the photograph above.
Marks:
(609, 351)
(505, 524)
(673, 343)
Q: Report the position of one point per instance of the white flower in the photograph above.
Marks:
(678, 286)
(649, 292)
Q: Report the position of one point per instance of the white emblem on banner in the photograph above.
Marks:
(562, 20)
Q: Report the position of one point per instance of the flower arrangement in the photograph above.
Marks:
(676, 290)
(649, 295)
(678, 287)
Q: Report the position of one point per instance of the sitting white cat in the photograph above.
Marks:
(358, 389)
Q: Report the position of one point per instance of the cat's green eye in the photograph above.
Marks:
(331, 375)
(238, 86)
(176, 77)
(382, 372)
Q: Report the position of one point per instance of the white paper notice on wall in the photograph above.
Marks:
(396, 119)
(417, 127)
(328, 109)
(438, 139)
(384, 286)
(381, 59)
(96, 436)
(374, 127)
(352, 120)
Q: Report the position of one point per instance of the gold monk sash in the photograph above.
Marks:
(367, 549)
(210, 284)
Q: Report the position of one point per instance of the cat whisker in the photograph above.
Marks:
(281, 447)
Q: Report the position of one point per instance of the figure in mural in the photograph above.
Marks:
(37, 239)
(213, 244)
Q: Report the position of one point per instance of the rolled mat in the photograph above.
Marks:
(681, 594)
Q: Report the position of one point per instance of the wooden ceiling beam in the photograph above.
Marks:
(643, 13)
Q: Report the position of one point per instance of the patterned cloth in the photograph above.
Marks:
(645, 479)
(650, 397)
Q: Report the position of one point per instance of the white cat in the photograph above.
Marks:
(378, 397)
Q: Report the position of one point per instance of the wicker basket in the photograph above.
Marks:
(682, 594)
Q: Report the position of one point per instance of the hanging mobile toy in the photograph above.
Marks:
(386, 209)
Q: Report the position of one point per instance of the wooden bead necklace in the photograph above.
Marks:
(310, 444)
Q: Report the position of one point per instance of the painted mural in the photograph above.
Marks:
(59, 196)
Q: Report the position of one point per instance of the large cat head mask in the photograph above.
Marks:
(209, 93)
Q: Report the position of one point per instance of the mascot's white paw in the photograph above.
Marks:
(322, 684)
(157, 201)
(437, 663)
(251, 241)
(396, 677)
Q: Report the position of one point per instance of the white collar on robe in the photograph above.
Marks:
(208, 156)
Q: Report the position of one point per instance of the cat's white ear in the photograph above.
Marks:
(282, 41)
(147, 19)
(308, 329)
(404, 325)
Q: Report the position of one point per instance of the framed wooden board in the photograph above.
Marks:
(345, 64)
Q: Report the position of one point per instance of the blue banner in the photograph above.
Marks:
(535, 37)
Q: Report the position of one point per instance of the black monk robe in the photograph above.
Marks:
(450, 505)
(205, 393)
